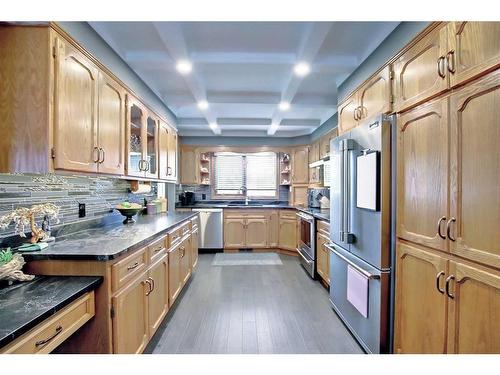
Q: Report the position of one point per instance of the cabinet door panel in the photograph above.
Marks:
(299, 195)
(234, 233)
(475, 170)
(416, 71)
(474, 312)
(420, 312)
(322, 254)
(136, 118)
(158, 298)
(273, 233)
(288, 235)
(256, 233)
(163, 139)
(111, 122)
(174, 274)
(194, 248)
(189, 166)
(151, 138)
(185, 260)
(300, 165)
(172, 155)
(375, 95)
(130, 323)
(422, 167)
(75, 126)
(475, 49)
(346, 114)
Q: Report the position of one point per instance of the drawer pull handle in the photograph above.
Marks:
(59, 329)
(135, 265)
(158, 249)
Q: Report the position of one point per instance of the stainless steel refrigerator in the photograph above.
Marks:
(361, 232)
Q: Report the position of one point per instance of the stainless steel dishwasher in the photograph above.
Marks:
(211, 228)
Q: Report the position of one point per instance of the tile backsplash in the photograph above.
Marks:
(100, 195)
(199, 190)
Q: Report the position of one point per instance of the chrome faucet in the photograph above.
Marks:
(243, 189)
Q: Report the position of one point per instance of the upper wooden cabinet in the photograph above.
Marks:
(172, 159)
(422, 174)
(111, 125)
(473, 225)
(324, 143)
(420, 73)
(300, 165)
(167, 153)
(190, 165)
(347, 114)
(371, 99)
(314, 152)
(473, 48)
(298, 195)
(75, 110)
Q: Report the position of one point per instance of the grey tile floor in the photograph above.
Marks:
(252, 309)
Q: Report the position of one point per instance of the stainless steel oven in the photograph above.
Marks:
(307, 242)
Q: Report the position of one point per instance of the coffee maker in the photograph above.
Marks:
(187, 198)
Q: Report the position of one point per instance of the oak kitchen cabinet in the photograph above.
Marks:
(322, 253)
(189, 165)
(444, 305)
(374, 97)
(288, 230)
(245, 229)
(75, 117)
(298, 195)
(167, 164)
(300, 165)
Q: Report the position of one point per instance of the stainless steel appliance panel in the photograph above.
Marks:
(372, 331)
(211, 228)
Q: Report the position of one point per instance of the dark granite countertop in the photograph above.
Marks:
(109, 241)
(318, 213)
(24, 305)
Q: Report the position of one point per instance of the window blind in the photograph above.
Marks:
(229, 173)
(261, 174)
(257, 172)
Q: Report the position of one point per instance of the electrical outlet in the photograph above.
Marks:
(203, 196)
(81, 210)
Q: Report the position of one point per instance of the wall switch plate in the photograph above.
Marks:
(81, 210)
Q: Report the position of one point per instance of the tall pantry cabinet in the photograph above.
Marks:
(448, 241)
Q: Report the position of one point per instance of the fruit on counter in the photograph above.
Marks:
(128, 205)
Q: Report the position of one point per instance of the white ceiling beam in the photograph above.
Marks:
(173, 39)
(311, 43)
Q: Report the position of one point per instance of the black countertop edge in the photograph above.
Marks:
(92, 284)
(316, 212)
(32, 256)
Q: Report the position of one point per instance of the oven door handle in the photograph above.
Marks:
(367, 274)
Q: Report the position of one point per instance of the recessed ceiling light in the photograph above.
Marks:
(302, 69)
(202, 104)
(284, 106)
(184, 66)
(213, 125)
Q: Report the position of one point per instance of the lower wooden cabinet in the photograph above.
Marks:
(174, 273)
(288, 233)
(273, 232)
(256, 232)
(234, 233)
(322, 257)
(185, 260)
(131, 317)
(246, 229)
(444, 305)
(194, 248)
(158, 296)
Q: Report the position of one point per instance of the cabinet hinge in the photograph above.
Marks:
(112, 312)
(52, 153)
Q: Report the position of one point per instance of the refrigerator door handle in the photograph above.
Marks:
(342, 191)
(346, 236)
(364, 272)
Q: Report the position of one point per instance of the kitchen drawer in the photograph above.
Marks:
(128, 268)
(174, 236)
(234, 214)
(157, 249)
(185, 228)
(288, 214)
(323, 227)
(49, 334)
(194, 223)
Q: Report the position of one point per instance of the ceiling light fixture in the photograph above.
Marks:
(213, 125)
(302, 69)
(184, 66)
(284, 106)
(202, 104)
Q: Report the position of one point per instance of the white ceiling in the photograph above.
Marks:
(244, 69)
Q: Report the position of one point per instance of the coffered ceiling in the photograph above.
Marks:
(243, 70)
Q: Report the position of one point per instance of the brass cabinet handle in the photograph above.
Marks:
(135, 265)
(448, 229)
(148, 281)
(448, 280)
(152, 282)
(438, 279)
(450, 61)
(441, 219)
(94, 158)
(59, 329)
(103, 155)
(440, 66)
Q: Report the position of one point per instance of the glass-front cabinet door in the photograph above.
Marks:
(151, 152)
(136, 142)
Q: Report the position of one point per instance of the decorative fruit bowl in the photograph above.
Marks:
(129, 210)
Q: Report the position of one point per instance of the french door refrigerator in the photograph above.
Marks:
(361, 232)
